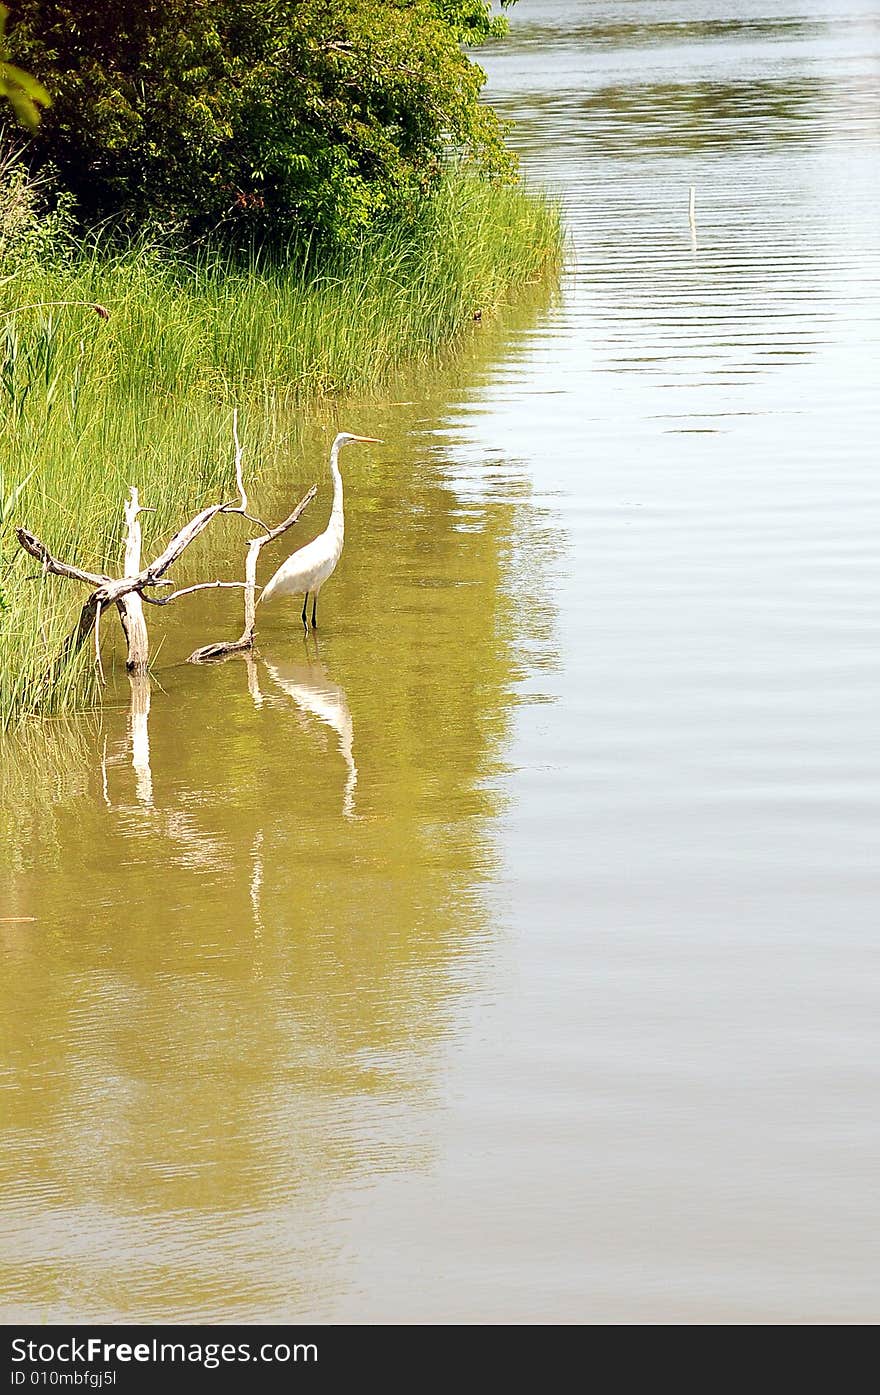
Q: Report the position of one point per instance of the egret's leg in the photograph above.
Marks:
(304, 613)
(315, 611)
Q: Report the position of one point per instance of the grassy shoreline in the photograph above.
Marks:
(88, 406)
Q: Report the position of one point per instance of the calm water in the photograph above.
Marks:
(513, 956)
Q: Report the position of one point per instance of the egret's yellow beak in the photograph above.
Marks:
(369, 440)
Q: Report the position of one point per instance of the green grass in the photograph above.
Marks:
(88, 405)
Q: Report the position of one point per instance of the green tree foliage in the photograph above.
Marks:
(472, 20)
(23, 93)
(304, 119)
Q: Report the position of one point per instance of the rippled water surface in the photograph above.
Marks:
(513, 956)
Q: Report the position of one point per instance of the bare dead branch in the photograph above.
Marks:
(181, 541)
(238, 454)
(259, 522)
(129, 591)
(38, 549)
(84, 627)
(291, 517)
(77, 638)
(209, 652)
(188, 590)
(71, 646)
(131, 608)
(98, 663)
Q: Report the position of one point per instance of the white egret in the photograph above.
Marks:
(305, 572)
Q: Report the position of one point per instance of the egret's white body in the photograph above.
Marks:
(304, 573)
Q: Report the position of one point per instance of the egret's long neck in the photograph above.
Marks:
(337, 515)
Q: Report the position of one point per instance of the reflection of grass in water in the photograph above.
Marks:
(50, 762)
(45, 766)
(249, 988)
(91, 406)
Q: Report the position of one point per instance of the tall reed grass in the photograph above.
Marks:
(88, 404)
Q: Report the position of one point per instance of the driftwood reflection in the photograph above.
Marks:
(193, 846)
(139, 730)
(307, 684)
(253, 679)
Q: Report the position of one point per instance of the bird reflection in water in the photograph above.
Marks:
(306, 683)
(316, 694)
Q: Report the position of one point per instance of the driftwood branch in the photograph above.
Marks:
(99, 666)
(73, 643)
(289, 520)
(109, 590)
(251, 518)
(139, 584)
(238, 454)
(152, 575)
(179, 543)
(129, 591)
(188, 590)
(245, 641)
(131, 607)
(51, 564)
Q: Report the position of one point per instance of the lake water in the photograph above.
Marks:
(512, 956)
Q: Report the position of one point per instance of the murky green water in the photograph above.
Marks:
(513, 954)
